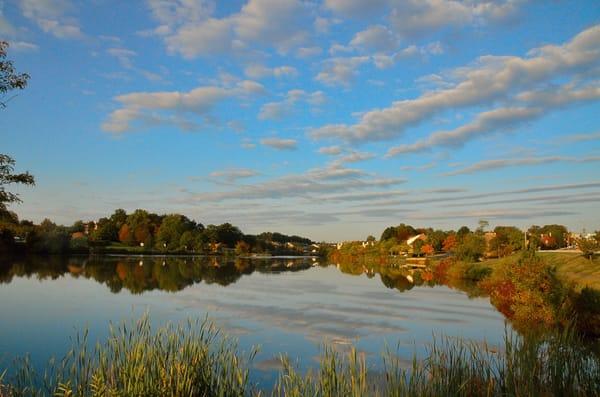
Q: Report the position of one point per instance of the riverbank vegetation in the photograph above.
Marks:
(526, 279)
(143, 232)
(195, 359)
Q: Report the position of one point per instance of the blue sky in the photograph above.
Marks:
(332, 119)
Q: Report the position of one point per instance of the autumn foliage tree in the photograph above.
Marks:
(528, 292)
(427, 249)
(449, 243)
(125, 234)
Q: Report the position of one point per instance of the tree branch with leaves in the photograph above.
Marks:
(10, 80)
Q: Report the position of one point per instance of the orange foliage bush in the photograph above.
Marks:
(440, 273)
(427, 249)
(449, 243)
(124, 234)
(427, 276)
(528, 292)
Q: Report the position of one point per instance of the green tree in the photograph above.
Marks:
(588, 246)
(7, 177)
(462, 232)
(483, 224)
(171, 230)
(558, 232)
(192, 240)
(533, 237)
(106, 231)
(118, 218)
(140, 224)
(400, 233)
(77, 226)
(225, 233)
(10, 79)
(508, 240)
(470, 248)
(436, 239)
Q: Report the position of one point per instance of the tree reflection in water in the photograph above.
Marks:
(172, 274)
(140, 274)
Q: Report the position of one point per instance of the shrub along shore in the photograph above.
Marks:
(195, 359)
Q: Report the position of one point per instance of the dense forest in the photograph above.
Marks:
(141, 231)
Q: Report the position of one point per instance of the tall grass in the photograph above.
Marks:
(190, 359)
(558, 365)
(194, 359)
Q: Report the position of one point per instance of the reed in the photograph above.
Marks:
(195, 359)
(190, 359)
(557, 365)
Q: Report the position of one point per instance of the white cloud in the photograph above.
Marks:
(257, 71)
(191, 29)
(248, 144)
(352, 157)
(310, 184)
(491, 79)
(337, 48)
(125, 58)
(330, 150)
(280, 143)
(485, 122)
(413, 18)
(376, 38)
(51, 16)
(123, 55)
(199, 101)
(356, 8)
(594, 136)
(23, 46)
(308, 52)
(6, 28)
(341, 71)
(487, 165)
(535, 105)
(281, 109)
(232, 175)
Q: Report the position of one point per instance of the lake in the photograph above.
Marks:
(282, 305)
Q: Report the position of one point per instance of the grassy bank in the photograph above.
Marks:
(194, 359)
(536, 291)
(572, 267)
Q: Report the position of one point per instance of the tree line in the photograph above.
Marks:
(142, 229)
(467, 244)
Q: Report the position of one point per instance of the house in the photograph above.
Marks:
(77, 235)
(547, 241)
(412, 240)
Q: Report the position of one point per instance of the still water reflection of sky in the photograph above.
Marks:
(282, 312)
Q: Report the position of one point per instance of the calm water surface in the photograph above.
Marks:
(282, 305)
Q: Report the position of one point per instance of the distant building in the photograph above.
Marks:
(412, 240)
(78, 235)
(547, 241)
